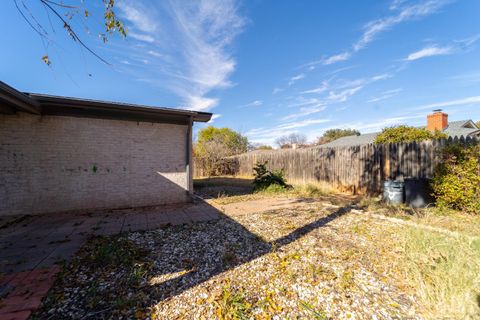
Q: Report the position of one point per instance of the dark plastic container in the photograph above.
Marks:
(393, 192)
(418, 193)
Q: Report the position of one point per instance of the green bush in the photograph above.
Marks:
(265, 178)
(401, 134)
(456, 183)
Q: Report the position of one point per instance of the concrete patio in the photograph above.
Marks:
(32, 247)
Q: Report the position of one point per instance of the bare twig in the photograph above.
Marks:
(28, 21)
(71, 32)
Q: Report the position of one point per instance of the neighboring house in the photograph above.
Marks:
(435, 121)
(61, 154)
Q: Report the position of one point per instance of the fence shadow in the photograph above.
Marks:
(214, 187)
(234, 245)
(186, 256)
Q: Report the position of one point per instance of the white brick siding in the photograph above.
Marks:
(54, 163)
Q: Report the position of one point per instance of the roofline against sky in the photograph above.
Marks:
(14, 100)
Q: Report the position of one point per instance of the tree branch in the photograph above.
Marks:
(71, 32)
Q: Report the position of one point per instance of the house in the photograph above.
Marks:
(62, 154)
(438, 120)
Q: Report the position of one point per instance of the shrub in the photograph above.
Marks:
(456, 182)
(401, 134)
(334, 134)
(264, 178)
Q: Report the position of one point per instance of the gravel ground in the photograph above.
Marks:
(306, 262)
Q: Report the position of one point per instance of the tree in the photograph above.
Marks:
(264, 147)
(258, 146)
(214, 144)
(230, 141)
(287, 141)
(403, 133)
(478, 124)
(65, 14)
(334, 134)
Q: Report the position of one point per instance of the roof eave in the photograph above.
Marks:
(13, 100)
(55, 105)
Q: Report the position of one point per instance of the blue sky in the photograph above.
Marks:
(264, 68)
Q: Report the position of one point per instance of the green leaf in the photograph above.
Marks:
(46, 60)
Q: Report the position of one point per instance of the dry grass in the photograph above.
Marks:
(447, 219)
(226, 190)
(441, 269)
(445, 271)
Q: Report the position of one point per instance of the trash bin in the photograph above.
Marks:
(393, 192)
(418, 193)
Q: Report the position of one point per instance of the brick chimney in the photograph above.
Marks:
(438, 120)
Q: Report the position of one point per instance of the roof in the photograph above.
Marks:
(461, 128)
(12, 101)
(454, 129)
(352, 140)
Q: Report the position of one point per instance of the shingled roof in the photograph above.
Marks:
(454, 129)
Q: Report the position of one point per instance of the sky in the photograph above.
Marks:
(264, 68)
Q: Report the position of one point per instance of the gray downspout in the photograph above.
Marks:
(189, 162)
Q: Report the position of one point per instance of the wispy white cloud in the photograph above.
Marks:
(296, 78)
(468, 77)
(327, 94)
(436, 50)
(276, 90)
(322, 88)
(337, 58)
(141, 36)
(429, 52)
(269, 135)
(189, 44)
(386, 95)
(396, 4)
(255, 103)
(214, 117)
(457, 102)
(306, 111)
(139, 16)
(342, 96)
(467, 42)
(404, 11)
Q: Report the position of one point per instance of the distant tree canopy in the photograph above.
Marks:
(334, 134)
(264, 147)
(478, 123)
(220, 142)
(258, 146)
(403, 133)
(287, 141)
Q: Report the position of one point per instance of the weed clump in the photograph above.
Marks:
(266, 179)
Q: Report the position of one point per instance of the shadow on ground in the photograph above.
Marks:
(168, 262)
(215, 187)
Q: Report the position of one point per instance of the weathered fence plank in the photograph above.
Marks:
(358, 169)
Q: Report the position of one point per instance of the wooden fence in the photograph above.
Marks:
(357, 169)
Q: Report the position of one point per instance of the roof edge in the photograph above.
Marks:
(18, 100)
(116, 107)
(14, 100)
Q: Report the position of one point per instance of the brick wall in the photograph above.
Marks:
(52, 163)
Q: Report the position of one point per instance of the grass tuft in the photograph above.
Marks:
(232, 304)
(445, 271)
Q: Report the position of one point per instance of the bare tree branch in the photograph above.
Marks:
(72, 33)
